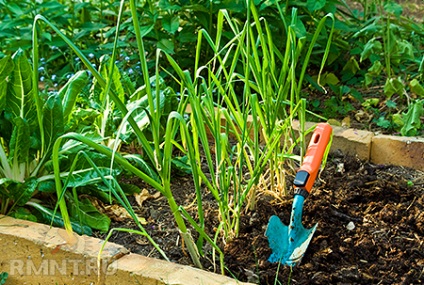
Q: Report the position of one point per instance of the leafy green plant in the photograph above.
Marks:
(3, 277)
(31, 123)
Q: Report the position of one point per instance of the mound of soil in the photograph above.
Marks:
(370, 229)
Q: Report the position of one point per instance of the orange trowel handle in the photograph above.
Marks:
(306, 175)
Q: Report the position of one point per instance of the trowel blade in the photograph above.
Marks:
(288, 245)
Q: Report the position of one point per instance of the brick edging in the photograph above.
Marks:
(378, 149)
(33, 253)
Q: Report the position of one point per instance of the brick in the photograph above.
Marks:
(137, 269)
(403, 151)
(348, 141)
(38, 254)
(352, 142)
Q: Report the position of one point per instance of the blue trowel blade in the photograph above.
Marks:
(277, 232)
(289, 243)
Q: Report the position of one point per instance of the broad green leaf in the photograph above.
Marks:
(374, 71)
(351, 66)
(130, 189)
(373, 46)
(47, 186)
(181, 165)
(116, 79)
(15, 9)
(138, 109)
(87, 214)
(166, 5)
(82, 118)
(146, 29)
(20, 99)
(143, 166)
(394, 86)
(19, 192)
(166, 45)
(48, 216)
(89, 176)
(398, 120)
(416, 88)
(412, 119)
(23, 214)
(171, 24)
(329, 78)
(20, 141)
(52, 122)
(314, 5)
(299, 28)
(394, 8)
(187, 35)
(6, 68)
(69, 93)
(405, 49)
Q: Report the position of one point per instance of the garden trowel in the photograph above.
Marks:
(289, 243)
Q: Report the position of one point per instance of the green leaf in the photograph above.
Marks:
(187, 35)
(6, 68)
(383, 122)
(412, 119)
(130, 189)
(23, 214)
(20, 99)
(19, 192)
(87, 214)
(47, 186)
(314, 5)
(115, 78)
(374, 71)
(3, 277)
(46, 215)
(171, 24)
(166, 45)
(391, 104)
(52, 122)
(370, 102)
(20, 141)
(68, 94)
(373, 46)
(143, 166)
(138, 110)
(416, 87)
(89, 176)
(393, 8)
(351, 66)
(394, 86)
(329, 78)
(398, 120)
(181, 165)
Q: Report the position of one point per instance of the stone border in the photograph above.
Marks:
(378, 149)
(33, 253)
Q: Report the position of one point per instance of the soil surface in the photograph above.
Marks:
(370, 228)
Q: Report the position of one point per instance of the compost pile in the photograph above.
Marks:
(370, 228)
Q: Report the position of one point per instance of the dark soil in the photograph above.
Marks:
(386, 245)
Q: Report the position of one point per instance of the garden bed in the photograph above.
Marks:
(383, 203)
